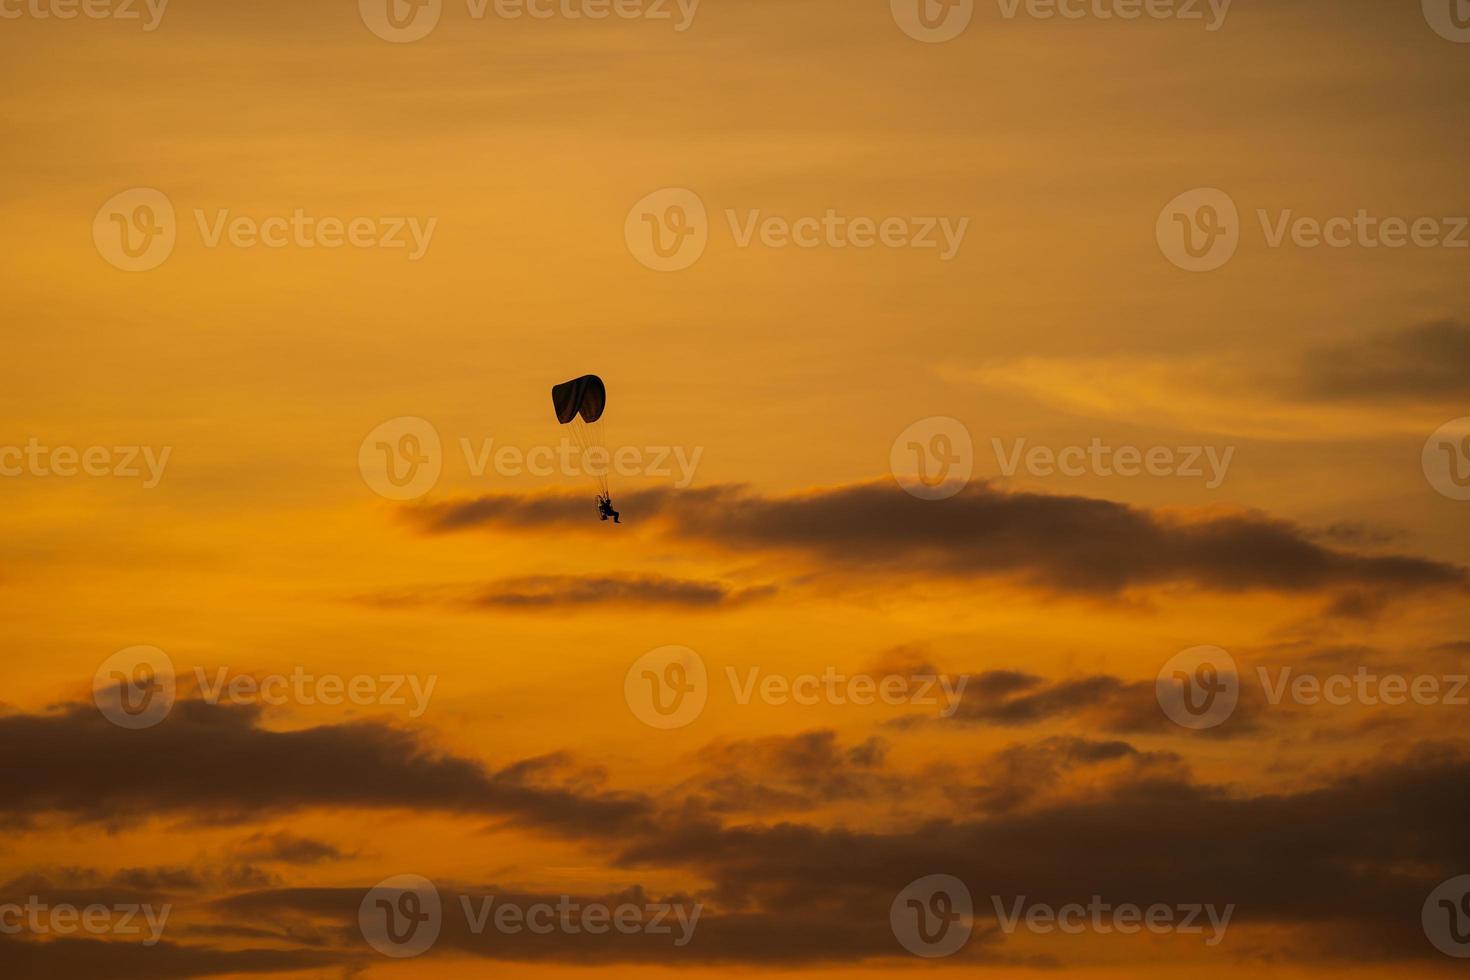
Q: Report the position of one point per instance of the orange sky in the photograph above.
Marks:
(1328, 385)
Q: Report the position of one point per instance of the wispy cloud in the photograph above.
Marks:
(568, 593)
(1053, 543)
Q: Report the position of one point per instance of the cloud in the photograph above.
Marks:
(1354, 855)
(82, 886)
(820, 933)
(562, 593)
(75, 763)
(1430, 360)
(1009, 698)
(1363, 849)
(1329, 393)
(788, 773)
(287, 848)
(1058, 820)
(1055, 543)
(1039, 773)
(89, 959)
(1354, 534)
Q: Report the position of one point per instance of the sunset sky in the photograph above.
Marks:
(1228, 238)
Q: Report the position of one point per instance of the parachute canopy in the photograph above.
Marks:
(579, 405)
(585, 397)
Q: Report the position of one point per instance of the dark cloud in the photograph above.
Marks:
(1002, 701)
(1357, 604)
(1039, 772)
(1061, 544)
(1012, 699)
(92, 959)
(1058, 820)
(1430, 360)
(1354, 534)
(824, 932)
(85, 886)
(287, 848)
(82, 887)
(909, 660)
(218, 763)
(788, 773)
(1367, 847)
(1315, 860)
(562, 593)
